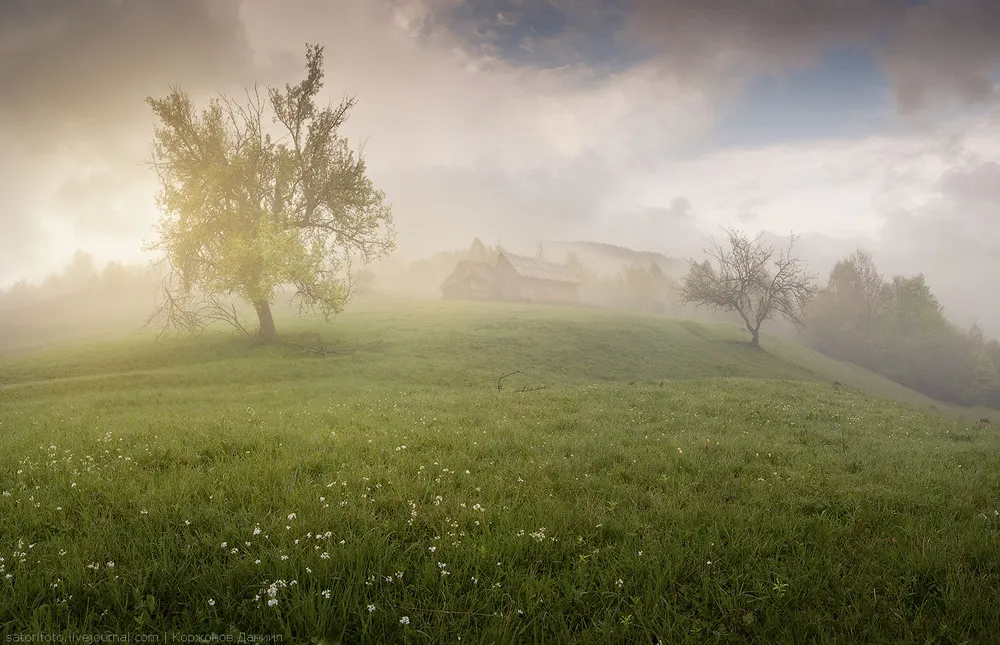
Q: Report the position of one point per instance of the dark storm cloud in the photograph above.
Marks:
(938, 51)
(945, 51)
(718, 36)
(89, 64)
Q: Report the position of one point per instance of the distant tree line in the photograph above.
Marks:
(82, 274)
(635, 287)
(897, 327)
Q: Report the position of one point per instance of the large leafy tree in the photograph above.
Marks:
(752, 279)
(842, 320)
(910, 308)
(262, 193)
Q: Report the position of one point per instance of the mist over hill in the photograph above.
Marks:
(609, 259)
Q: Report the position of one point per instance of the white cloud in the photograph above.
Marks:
(835, 187)
(427, 99)
(435, 113)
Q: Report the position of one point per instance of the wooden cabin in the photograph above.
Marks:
(515, 277)
(536, 280)
(471, 281)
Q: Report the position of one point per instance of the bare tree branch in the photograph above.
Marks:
(182, 310)
(499, 386)
(748, 277)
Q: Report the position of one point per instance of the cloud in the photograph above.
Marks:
(839, 187)
(945, 51)
(445, 207)
(546, 33)
(919, 200)
(427, 96)
(936, 52)
(89, 64)
(15, 231)
(959, 221)
(456, 136)
(719, 37)
(954, 238)
(73, 76)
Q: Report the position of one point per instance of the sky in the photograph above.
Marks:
(645, 123)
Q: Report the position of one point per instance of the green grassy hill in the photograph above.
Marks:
(638, 478)
(421, 340)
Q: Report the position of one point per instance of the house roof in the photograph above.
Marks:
(537, 269)
(468, 267)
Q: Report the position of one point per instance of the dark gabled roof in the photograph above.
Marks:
(468, 267)
(537, 269)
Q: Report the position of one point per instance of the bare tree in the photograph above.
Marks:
(857, 285)
(871, 284)
(751, 279)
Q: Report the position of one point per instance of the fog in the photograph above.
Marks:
(647, 124)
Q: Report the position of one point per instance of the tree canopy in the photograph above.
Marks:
(262, 193)
(897, 327)
(750, 278)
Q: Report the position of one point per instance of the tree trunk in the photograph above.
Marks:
(755, 341)
(266, 332)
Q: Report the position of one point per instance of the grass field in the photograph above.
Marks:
(640, 480)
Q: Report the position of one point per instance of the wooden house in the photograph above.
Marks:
(471, 281)
(535, 280)
(515, 277)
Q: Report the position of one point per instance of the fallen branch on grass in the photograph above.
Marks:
(526, 388)
(499, 386)
(321, 349)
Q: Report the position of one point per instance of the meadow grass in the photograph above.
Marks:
(640, 480)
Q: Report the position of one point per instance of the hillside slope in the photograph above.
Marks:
(637, 479)
(422, 342)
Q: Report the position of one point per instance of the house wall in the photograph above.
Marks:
(456, 291)
(481, 288)
(509, 282)
(469, 288)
